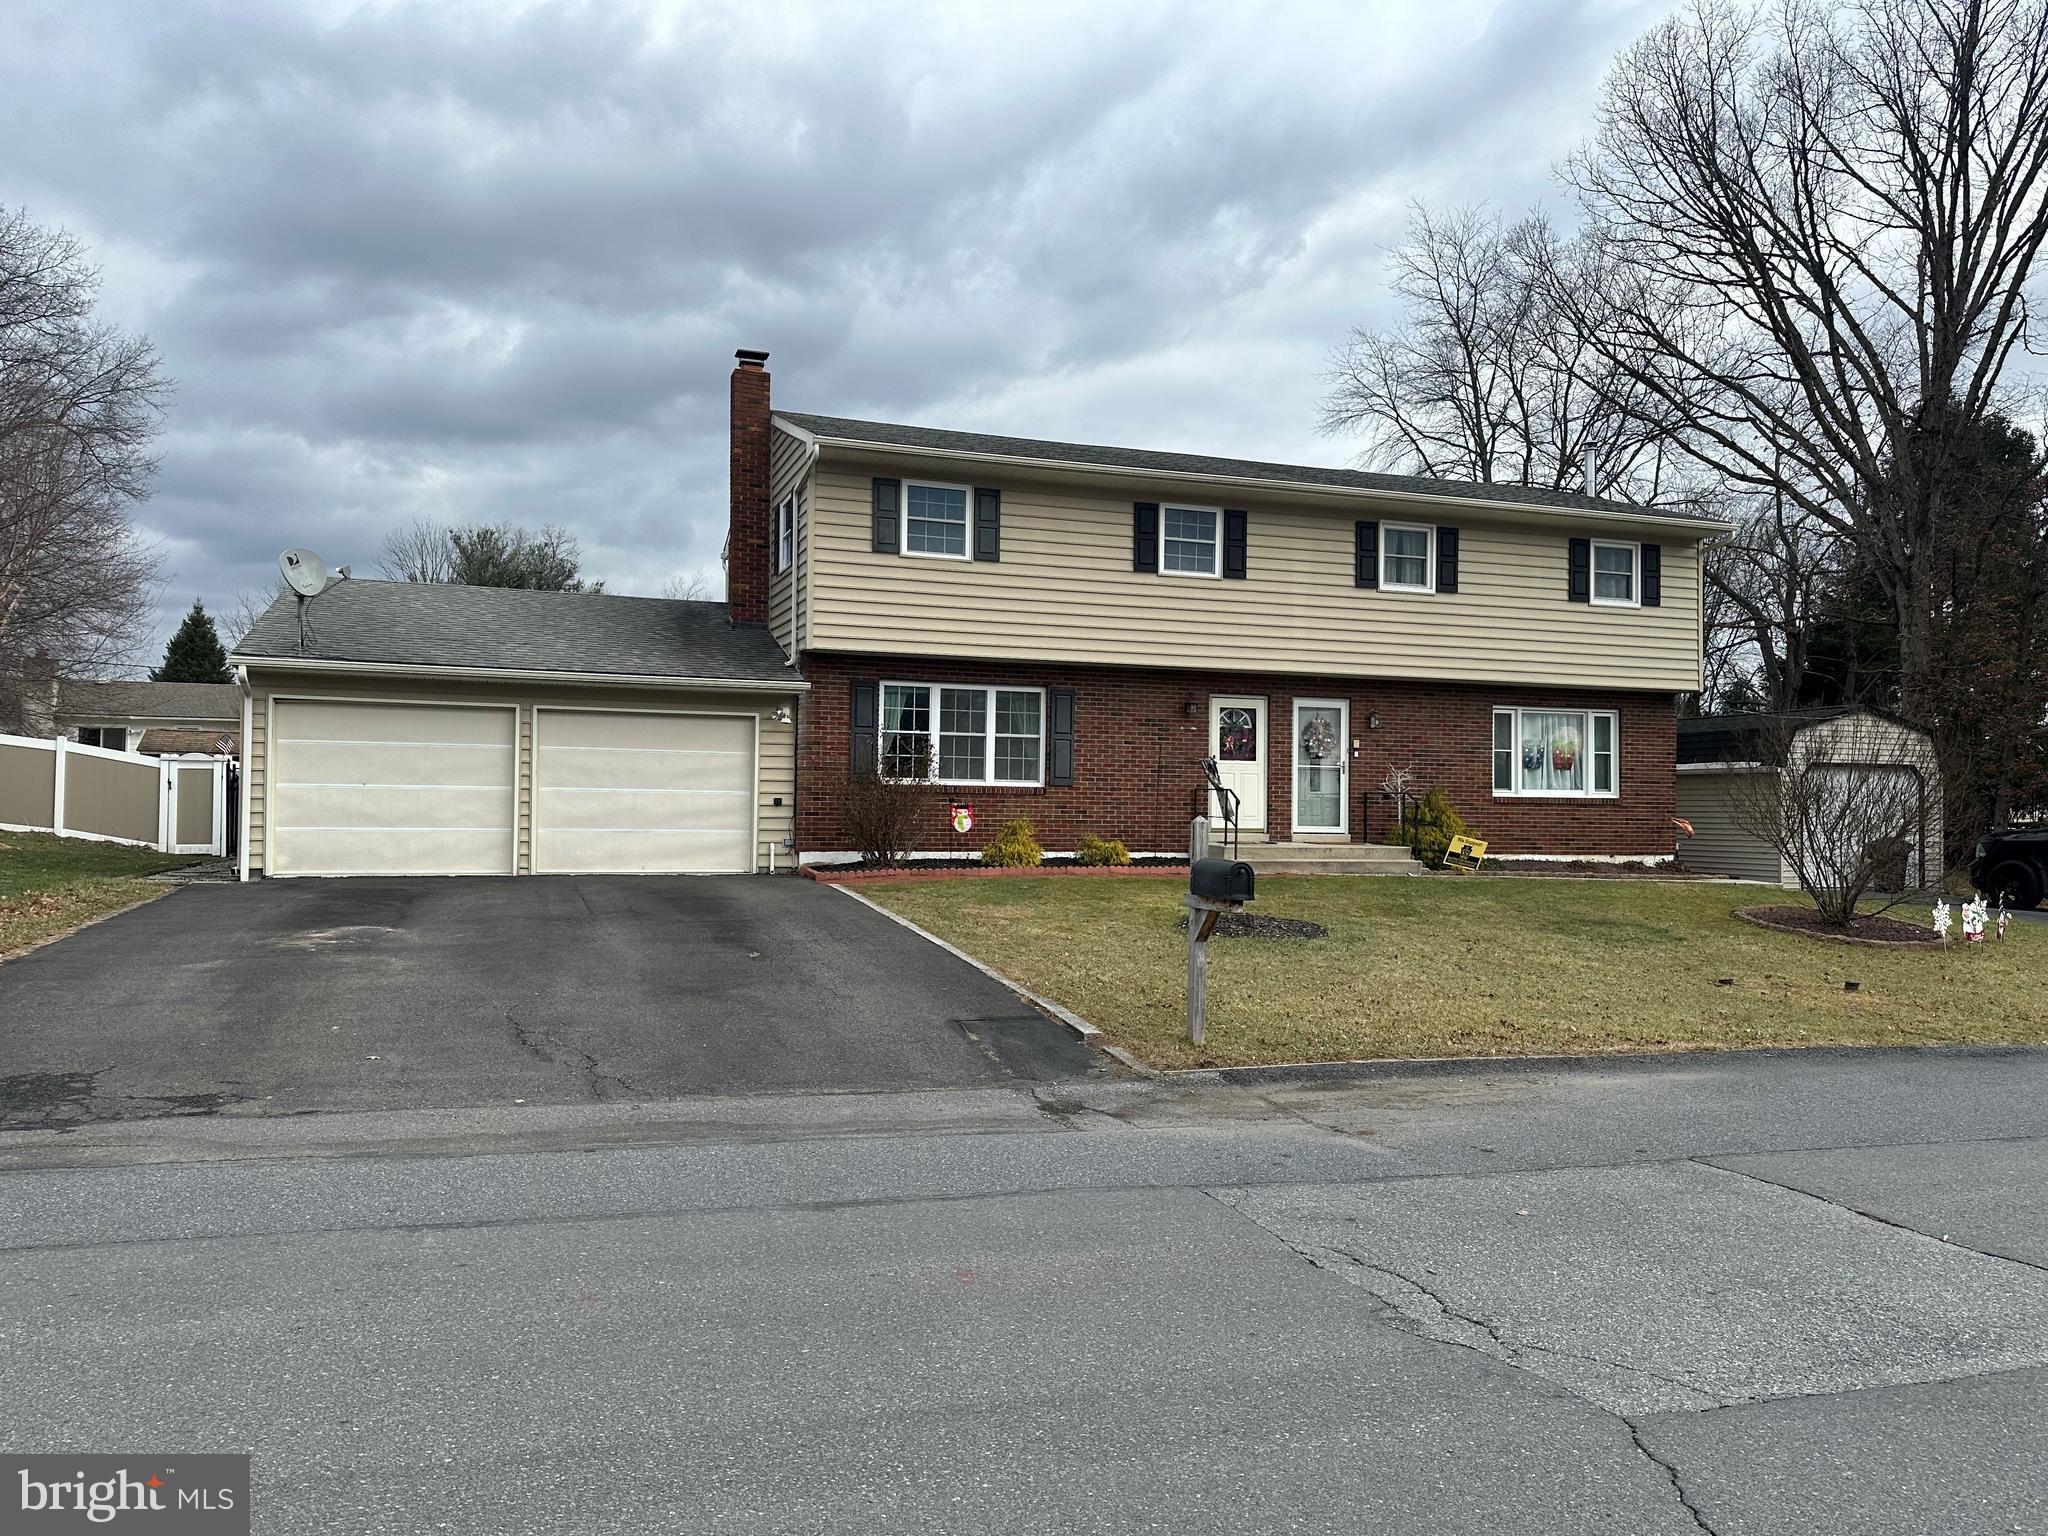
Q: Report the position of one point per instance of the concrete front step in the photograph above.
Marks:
(1328, 859)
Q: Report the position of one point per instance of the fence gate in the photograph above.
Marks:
(195, 791)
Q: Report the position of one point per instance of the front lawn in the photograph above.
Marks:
(51, 885)
(1448, 967)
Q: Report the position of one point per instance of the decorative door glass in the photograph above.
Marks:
(1319, 768)
(1237, 735)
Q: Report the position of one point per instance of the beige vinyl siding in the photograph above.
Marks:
(788, 465)
(1717, 845)
(1065, 591)
(777, 752)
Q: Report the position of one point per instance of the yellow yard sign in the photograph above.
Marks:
(1464, 853)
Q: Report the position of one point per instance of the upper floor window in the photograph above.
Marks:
(934, 519)
(1614, 573)
(1188, 542)
(1405, 561)
(785, 534)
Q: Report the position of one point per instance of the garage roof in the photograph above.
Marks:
(1737, 738)
(422, 625)
(86, 699)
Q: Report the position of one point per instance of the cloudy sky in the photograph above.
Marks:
(490, 261)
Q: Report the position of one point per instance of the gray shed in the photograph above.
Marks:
(1715, 751)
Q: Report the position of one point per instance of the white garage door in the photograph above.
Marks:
(626, 793)
(391, 789)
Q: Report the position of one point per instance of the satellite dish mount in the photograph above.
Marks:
(306, 574)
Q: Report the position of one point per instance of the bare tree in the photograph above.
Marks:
(1483, 378)
(687, 586)
(1839, 809)
(1818, 226)
(418, 551)
(245, 608)
(1765, 589)
(80, 403)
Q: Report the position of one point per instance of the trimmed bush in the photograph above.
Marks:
(1101, 850)
(1431, 826)
(1015, 847)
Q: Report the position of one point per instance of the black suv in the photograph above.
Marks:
(2012, 865)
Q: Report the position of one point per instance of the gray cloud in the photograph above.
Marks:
(467, 260)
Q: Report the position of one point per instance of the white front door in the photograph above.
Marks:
(1322, 762)
(1237, 740)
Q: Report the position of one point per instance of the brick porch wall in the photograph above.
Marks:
(1138, 753)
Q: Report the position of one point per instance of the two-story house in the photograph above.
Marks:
(1053, 630)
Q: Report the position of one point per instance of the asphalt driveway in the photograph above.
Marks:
(283, 997)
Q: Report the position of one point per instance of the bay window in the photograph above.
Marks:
(1556, 752)
(962, 735)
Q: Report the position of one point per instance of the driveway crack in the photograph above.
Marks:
(1671, 1472)
(550, 1048)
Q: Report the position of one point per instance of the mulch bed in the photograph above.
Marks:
(1257, 925)
(1590, 869)
(1884, 932)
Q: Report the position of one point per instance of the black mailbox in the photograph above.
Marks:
(1220, 880)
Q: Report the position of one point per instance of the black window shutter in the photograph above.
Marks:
(888, 498)
(864, 755)
(1579, 578)
(1234, 545)
(1447, 559)
(1145, 536)
(988, 524)
(1059, 742)
(1365, 555)
(1653, 575)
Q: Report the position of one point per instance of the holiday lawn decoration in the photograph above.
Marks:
(1974, 914)
(1942, 920)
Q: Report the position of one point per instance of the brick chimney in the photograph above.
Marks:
(747, 535)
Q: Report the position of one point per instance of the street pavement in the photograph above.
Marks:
(1773, 1293)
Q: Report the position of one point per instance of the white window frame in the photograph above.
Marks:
(1215, 570)
(966, 523)
(1428, 532)
(785, 534)
(1516, 712)
(989, 733)
(1635, 574)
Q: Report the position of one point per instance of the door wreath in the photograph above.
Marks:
(1319, 738)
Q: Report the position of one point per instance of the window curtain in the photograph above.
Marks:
(1554, 752)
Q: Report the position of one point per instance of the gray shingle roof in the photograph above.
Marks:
(882, 434)
(400, 623)
(81, 699)
(1735, 738)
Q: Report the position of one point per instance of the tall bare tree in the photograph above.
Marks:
(1819, 224)
(1481, 377)
(80, 404)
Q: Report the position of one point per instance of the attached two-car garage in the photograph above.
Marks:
(375, 787)
(423, 728)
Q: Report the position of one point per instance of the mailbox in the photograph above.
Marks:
(1220, 880)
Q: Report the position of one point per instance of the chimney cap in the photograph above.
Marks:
(749, 358)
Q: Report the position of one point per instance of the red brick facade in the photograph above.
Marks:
(747, 535)
(1140, 736)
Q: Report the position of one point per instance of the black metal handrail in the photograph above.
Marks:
(1226, 802)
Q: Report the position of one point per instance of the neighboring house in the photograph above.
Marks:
(159, 718)
(1718, 754)
(1063, 632)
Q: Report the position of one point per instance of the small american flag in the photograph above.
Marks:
(225, 746)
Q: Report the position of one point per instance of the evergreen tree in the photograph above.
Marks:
(195, 654)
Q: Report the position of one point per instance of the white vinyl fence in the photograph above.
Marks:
(175, 804)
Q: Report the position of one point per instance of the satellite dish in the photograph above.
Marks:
(304, 572)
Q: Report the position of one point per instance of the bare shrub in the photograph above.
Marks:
(1838, 806)
(886, 819)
